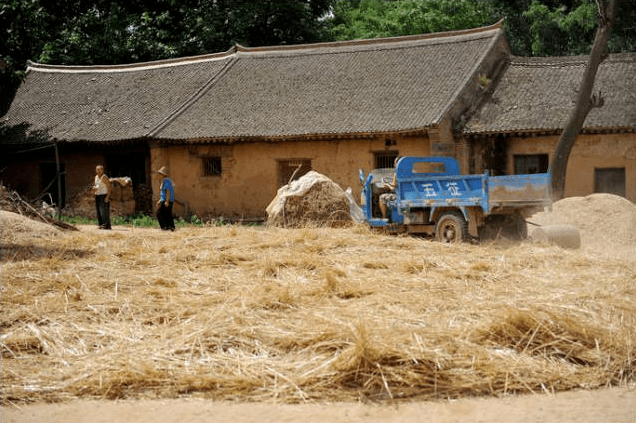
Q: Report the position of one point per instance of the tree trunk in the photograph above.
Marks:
(585, 100)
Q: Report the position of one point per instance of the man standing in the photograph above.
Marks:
(166, 200)
(102, 197)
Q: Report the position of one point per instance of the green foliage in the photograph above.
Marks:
(533, 28)
(140, 221)
(379, 18)
(559, 33)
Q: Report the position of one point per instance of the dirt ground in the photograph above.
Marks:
(614, 405)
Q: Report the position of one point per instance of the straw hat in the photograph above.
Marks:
(163, 171)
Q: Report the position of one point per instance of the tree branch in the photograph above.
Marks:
(585, 101)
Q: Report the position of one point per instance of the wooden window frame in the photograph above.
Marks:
(542, 163)
(212, 166)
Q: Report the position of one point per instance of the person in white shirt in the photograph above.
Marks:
(102, 197)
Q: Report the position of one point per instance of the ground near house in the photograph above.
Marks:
(314, 324)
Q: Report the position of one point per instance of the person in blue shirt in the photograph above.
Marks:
(166, 200)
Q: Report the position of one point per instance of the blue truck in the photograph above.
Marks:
(430, 196)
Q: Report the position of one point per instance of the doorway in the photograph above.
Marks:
(49, 186)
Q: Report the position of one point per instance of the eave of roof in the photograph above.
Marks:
(536, 95)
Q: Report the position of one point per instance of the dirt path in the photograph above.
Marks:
(615, 405)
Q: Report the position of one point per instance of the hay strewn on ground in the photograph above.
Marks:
(292, 315)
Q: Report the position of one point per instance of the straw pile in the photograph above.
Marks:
(16, 227)
(314, 200)
(11, 201)
(311, 314)
(606, 222)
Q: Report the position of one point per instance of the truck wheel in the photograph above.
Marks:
(451, 227)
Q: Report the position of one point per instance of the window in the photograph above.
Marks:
(429, 167)
(212, 166)
(530, 163)
(610, 180)
(385, 159)
(293, 168)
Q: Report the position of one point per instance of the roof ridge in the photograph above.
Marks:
(578, 60)
(191, 100)
(179, 61)
(463, 86)
(155, 64)
(371, 41)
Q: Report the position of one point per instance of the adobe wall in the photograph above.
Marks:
(23, 176)
(249, 177)
(590, 151)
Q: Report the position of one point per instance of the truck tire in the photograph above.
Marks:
(451, 227)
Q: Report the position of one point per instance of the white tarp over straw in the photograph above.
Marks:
(313, 199)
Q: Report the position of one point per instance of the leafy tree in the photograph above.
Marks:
(89, 32)
(379, 18)
(533, 28)
(559, 33)
(25, 25)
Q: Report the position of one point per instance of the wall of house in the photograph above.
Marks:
(249, 178)
(24, 173)
(590, 152)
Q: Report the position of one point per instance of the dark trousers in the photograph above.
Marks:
(164, 216)
(102, 209)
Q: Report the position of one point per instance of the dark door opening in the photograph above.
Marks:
(131, 164)
(495, 155)
(49, 186)
(136, 166)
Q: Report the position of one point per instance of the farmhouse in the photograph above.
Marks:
(516, 128)
(233, 127)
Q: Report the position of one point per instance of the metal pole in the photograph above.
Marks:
(59, 180)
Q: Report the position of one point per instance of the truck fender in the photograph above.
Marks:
(475, 220)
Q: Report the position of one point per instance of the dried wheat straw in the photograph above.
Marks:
(309, 314)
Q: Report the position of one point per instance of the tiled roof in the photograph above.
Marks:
(390, 84)
(105, 104)
(537, 94)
